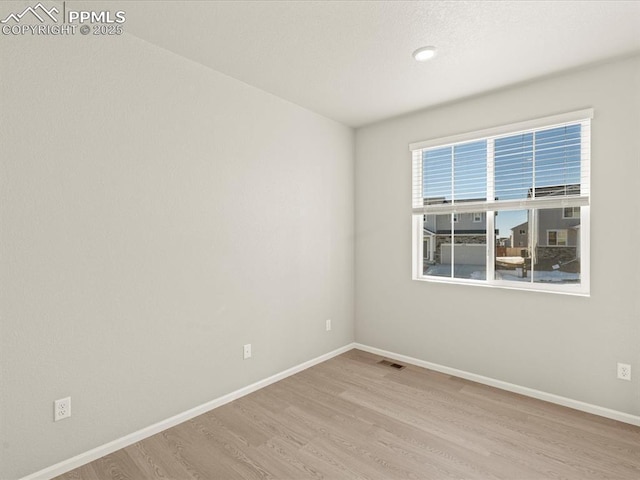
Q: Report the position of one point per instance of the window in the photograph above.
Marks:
(571, 212)
(505, 207)
(557, 238)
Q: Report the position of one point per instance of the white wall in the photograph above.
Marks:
(558, 344)
(156, 216)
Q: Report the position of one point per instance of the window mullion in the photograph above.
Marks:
(533, 240)
(453, 202)
(533, 166)
(491, 247)
(453, 176)
(490, 170)
(490, 216)
(453, 242)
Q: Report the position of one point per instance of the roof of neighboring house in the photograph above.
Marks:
(464, 232)
(523, 224)
(443, 200)
(555, 190)
(435, 200)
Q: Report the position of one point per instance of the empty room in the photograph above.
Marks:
(319, 240)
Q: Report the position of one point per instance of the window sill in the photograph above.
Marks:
(573, 290)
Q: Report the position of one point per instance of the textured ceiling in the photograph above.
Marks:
(351, 60)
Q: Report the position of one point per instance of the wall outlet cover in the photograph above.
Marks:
(61, 409)
(624, 371)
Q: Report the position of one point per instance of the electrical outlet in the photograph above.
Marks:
(624, 371)
(61, 409)
(247, 351)
(328, 324)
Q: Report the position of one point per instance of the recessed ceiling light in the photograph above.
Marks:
(425, 53)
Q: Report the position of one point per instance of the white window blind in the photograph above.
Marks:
(511, 169)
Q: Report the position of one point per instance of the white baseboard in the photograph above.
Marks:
(529, 392)
(98, 452)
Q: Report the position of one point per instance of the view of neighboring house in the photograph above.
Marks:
(470, 233)
(558, 236)
(550, 238)
(520, 235)
(556, 230)
(558, 227)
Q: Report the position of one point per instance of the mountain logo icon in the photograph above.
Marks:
(39, 11)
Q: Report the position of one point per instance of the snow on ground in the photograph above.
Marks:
(510, 260)
(478, 272)
(555, 276)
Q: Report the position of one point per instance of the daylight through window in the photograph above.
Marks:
(508, 206)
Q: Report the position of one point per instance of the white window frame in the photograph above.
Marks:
(456, 217)
(477, 217)
(491, 206)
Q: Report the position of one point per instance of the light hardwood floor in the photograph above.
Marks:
(351, 417)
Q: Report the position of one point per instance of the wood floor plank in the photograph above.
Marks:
(294, 435)
(155, 461)
(86, 472)
(354, 418)
(117, 466)
(200, 459)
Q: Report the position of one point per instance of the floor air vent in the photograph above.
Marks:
(387, 363)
